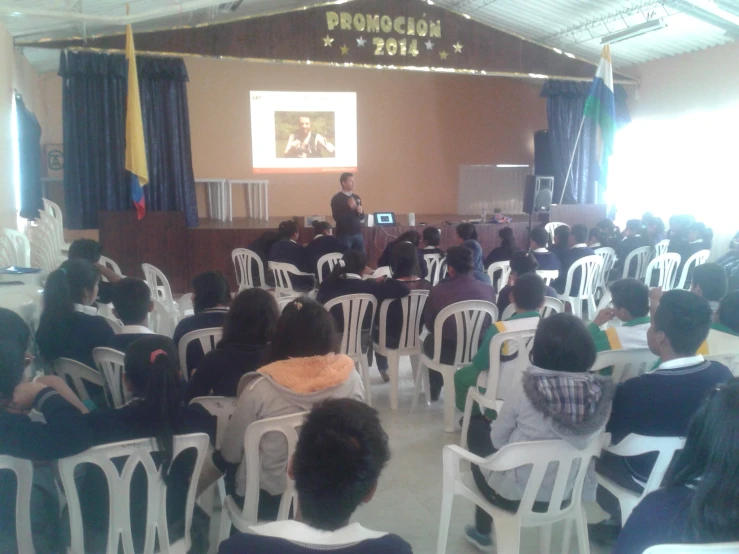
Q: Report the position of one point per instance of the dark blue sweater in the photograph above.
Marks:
(256, 544)
(74, 338)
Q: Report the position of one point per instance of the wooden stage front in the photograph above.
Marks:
(162, 239)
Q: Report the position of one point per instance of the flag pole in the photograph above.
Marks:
(572, 159)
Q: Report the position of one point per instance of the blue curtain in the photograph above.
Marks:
(565, 105)
(29, 150)
(94, 116)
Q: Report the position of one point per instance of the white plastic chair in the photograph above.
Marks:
(23, 470)
(713, 548)
(699, 258)
(185, 306)
(242, 259)
(110, 364)
(641, 257)
(53, 209)
(159, 286)
(635, 445)
(551, 226)
(208, 338)
(112, 322)
(409, 343)
(626, 364)
(161, 320)
(136, 453)
(729, 360)
(469, 317)
(222, 407)
(21, 246)
(433, 263)
(110, 264)
(538, 455)
(667, 265)
(330, 259)
(661, 247)
(283, 281)
(288, 426)
(505, 272)
(76, 374)
(7, 253)
(354, 308)
(551, 306)
(548, 275)
(590, 268)
(523, 341)
(382, 271)
(609, 259)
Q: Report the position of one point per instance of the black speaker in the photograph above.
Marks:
(537, 195)
(542, 154)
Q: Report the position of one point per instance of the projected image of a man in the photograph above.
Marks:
(304, 143)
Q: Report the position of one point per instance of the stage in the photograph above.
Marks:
(162, 239)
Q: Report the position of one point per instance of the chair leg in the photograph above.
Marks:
(581, 528)
(567, 536)
(468, 405)
(449, 397)
(507, 537)
(393, 362)
(545, 538)
(364, 365)
(415, 364)
(447, 499)
(417, 388)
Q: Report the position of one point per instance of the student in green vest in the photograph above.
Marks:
(631, 306)
(528, 295)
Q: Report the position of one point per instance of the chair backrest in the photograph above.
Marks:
(433, 262)
(112, 322)
(110, 363)
(23, 470)
(110, 264)
(666, 264)
(76, 374)
(551, 306)
(626, 364)
(469, 318)
(604, 302)
(222, 407)
(159, 286)
(551, 226)
(382, 271)
(330, 259)
(590, 268)
(412, 306)
(185, 305)
(505, 272)
(242, 259)
(161, 320)
(54, 229)
(661, 247)
(286, 425)
(21, 246)
(136, 453)
(7, 252)
(283, 282)
(208, 338)
(548, 275)
(609, 259)
(522, 341)
(639, 256)
(713, 548)
(699, 258)
(354, 308)
(729, 360)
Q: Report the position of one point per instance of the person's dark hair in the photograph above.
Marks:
(252, 319)
(709, 465)
(11, 367)
(632, 295)
(685, 318)
(409, 236)
(65, 287)
(562, 235)
(152, 370)
(305, 329)
(540, 236)
(432, 236)
(712, 280)
(404, 260)
(460, 259)
(321, 227)
(563, 343)
(85, 249)
(659, 225)
(341, 451)
(131, 299)
(14, 329)
(529, 291)
(343, 177)
(508, 241)
(210, 289)
(523, 262)
(634, 225)
(353, 261)
(287, 229)
(580, 233)
(728, 311)
(466, 231)
(703, 232)
(596, 235)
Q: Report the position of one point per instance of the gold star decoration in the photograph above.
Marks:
(443, 54)
(344, 50)
(327, 40)
(458, 47)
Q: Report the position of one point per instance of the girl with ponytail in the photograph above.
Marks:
(69, 325)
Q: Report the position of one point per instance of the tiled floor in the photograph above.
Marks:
(408, 499)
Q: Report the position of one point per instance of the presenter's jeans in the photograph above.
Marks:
(353, 242)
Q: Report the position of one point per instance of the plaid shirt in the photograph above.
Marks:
(574, 399)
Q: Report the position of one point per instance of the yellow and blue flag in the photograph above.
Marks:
(138, 172)
(600, 106)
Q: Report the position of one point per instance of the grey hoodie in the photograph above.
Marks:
(529, 414)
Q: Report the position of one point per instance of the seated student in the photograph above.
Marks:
(634, 236)
(556, 399)
(91, 250)
(561, 246)
(506, 249)
(323, 243)
(678, 235)
(131, 304)
(287, 250)
(406, 277)
(698, 502)
(631, 306)
(700, 238)
(521, 264)
(69, 326)
(723, 338)
(346, 278)
(409, 236)
(730, 263)
(595, 238)
(547, 260)
(210, 299)
(458, 286)
(528, 296)
(247, 332)
(579, 250)
(261, 248)
(655, 230)
(432, 241)
(304, 370)
(467, 237)
(341, 451)
(660, 403)
(610, 233)
(709, 281)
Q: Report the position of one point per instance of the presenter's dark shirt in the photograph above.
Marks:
(348, 221)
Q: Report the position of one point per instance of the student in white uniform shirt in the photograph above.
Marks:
(631, 306)
(131, 304)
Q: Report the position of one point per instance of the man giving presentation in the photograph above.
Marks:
(347, 211)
